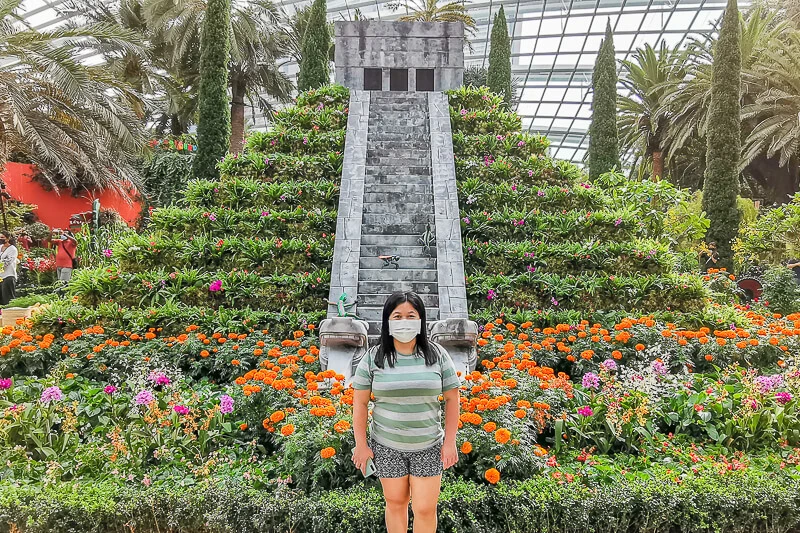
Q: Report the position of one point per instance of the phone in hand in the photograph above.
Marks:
(369, 469)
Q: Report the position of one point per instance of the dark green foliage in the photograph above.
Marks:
(314, 58)
(214, 121)
(603, 134)
(721, 185)
(738, 502)
(499, 76)
(165, 176)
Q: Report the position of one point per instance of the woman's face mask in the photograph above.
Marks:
(405, 330)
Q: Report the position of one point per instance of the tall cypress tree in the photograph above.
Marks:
(214, 121)
(721, 185)
(499, 76)
(314, 50)
(603, 134)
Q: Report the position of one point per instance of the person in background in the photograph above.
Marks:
(710, 258)
(9, 260)
(25, 241)
(66, 246)
(794, 266)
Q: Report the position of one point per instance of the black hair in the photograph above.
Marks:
(386, 351)
(9, 238)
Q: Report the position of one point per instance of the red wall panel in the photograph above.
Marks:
(54, 209)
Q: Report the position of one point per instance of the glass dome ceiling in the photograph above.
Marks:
(554, 45)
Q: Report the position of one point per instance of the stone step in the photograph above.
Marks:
(398, 188)
(389, 197)
(405, 263)
(386, 126)
(374, 315)
(398, 208)
(394, 162)
(392, 241)
(399, 137)
(417, 169)
(390, 274)
(395, 121)
(404, 251)
(387, 287)
(393, 178)
(378, 300)
(398, 106)
(399, 153)
(392, 229)
(400, 145)
(407, 218)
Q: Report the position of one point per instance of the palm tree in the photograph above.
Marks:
(432, 11)
(257, 43)
(168, 87)
(76, 123)
(642, 126)
(774, 112)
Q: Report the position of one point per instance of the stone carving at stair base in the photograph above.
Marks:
(343, 342)
(459, 337)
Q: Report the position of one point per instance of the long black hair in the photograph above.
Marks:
(9, 238)
(386, 351)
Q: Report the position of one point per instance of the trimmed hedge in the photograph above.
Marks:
(737, 502)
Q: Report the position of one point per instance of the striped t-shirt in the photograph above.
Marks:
(407, 413)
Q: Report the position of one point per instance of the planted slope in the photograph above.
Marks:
(260, 238)
(538, 236)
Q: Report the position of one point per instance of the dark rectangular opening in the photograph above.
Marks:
(425, 79)
(373, 79)
(398, 79)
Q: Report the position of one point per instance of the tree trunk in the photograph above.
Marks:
(779, 183)
(237, 117)
(658, 165)
(175, 125)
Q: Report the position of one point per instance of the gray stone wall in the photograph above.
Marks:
(412, 45)
(347, 247)
(450, 264)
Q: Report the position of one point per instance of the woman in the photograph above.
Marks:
(8, 257)
(66, 246)
(406, 374)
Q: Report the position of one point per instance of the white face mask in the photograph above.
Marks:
(404, 330)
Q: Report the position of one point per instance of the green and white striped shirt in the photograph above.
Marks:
(407, 413)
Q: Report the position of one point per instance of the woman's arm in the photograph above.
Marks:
(452, 408)
(360, 407)
(362, 452)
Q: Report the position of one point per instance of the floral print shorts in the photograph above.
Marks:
(391, 463)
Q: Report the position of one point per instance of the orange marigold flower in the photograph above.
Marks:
(342, 426)
(489, 427)
(639, 347)
(520, 413)
(709, 357)
(327, 453)
(466, 447)
(502, 435)
(243, 426)
(236, 362)
(287, 430)
(492, 476)
(277, 416)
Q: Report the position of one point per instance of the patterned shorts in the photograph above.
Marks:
(391, 463)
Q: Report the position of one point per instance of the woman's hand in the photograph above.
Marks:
(360, 456)
(449, 455)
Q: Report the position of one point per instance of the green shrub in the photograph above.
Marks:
(603, 132)
(739, 502)
(315, 49)
(214, 110)
(498, 77)
(780, 290)
(721, 185)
